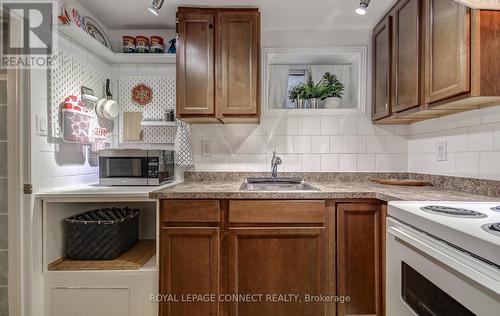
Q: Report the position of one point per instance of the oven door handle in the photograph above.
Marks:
(485, 274)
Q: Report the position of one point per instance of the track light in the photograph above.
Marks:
(155, 7)
(363, 5)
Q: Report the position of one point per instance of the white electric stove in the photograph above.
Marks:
(443, 258)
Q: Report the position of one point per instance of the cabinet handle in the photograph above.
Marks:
(387, 105)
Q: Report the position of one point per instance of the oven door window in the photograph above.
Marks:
(425, 298)
(122, 167)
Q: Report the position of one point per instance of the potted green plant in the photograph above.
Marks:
(296, 95)
(328, 87)
(334, 90)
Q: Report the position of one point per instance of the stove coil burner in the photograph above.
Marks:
(452, 211)
(496, 208)
(494, 227)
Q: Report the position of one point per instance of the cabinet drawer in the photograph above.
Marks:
(280, 212)
(192, 211)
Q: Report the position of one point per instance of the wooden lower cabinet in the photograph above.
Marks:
(360, 249)
(277, 261)
(189, 264)
(274, 248)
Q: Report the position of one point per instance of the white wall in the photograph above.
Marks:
(473, 142)
(56, 164)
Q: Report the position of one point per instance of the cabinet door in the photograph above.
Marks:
(447, 49)
(189, 265)
(359, 258)
(406, 55)
(195, 63)
(238, 62)
(277, 261)
(382, 69)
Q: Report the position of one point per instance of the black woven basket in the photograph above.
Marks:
(102, 234)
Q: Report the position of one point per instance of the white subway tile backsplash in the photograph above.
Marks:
(257, 162)
(293, 163)
(320, 144)
(357, 144)
(480, 138)
(339, 144)
(496, 136)
(457, 140)
(365, 126)
(467, 163)
(489, 164)
(238, 162)
(348, 163)
(348, 125)
(395, 144)
(329, 126)
(401, 162)
(284, 144)
(250, 145)
(294, 126)
(375, 144)
(311, 126)
(302, 144)
(329, 162)
(366, 162)
(384, 163)
(311, 163)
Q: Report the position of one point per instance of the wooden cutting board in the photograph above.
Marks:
(405, 182)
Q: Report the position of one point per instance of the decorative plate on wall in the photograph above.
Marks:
(142, 94)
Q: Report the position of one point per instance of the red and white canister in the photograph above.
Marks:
(128, 44)
(156, 45)
(141, 44)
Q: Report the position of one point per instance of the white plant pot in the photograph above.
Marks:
(332, 103)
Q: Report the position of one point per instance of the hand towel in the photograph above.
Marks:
(183, 146)
(132, 129)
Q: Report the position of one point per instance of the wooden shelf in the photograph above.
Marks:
(133, 259)
(158, 123)
(91, 44)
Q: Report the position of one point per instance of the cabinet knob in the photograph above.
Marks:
(210, 26)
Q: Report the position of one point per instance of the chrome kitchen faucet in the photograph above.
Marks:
(274, 165)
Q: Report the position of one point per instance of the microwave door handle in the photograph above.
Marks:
(451, 257)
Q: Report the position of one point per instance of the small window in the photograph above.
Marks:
(295, 77)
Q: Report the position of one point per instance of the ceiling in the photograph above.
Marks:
(276, 14)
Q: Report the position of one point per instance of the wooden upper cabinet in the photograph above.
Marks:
(218, 65)
(447, 49)
(360, 270)
(406, 55)
(382, 69)
(238, 67)
(195, 63)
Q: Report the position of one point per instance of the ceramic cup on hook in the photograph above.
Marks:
(107, 107)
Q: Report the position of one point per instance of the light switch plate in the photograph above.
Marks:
(441, 154)
(41, 125)
(206, 148)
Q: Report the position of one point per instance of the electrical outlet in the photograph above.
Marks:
(441, 151)
(206, 148)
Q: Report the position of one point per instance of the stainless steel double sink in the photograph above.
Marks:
(276, 184)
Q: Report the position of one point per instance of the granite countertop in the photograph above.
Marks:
(328, 190)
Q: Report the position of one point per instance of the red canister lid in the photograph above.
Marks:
(157, 39)
(142, 38)
(128, 38)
